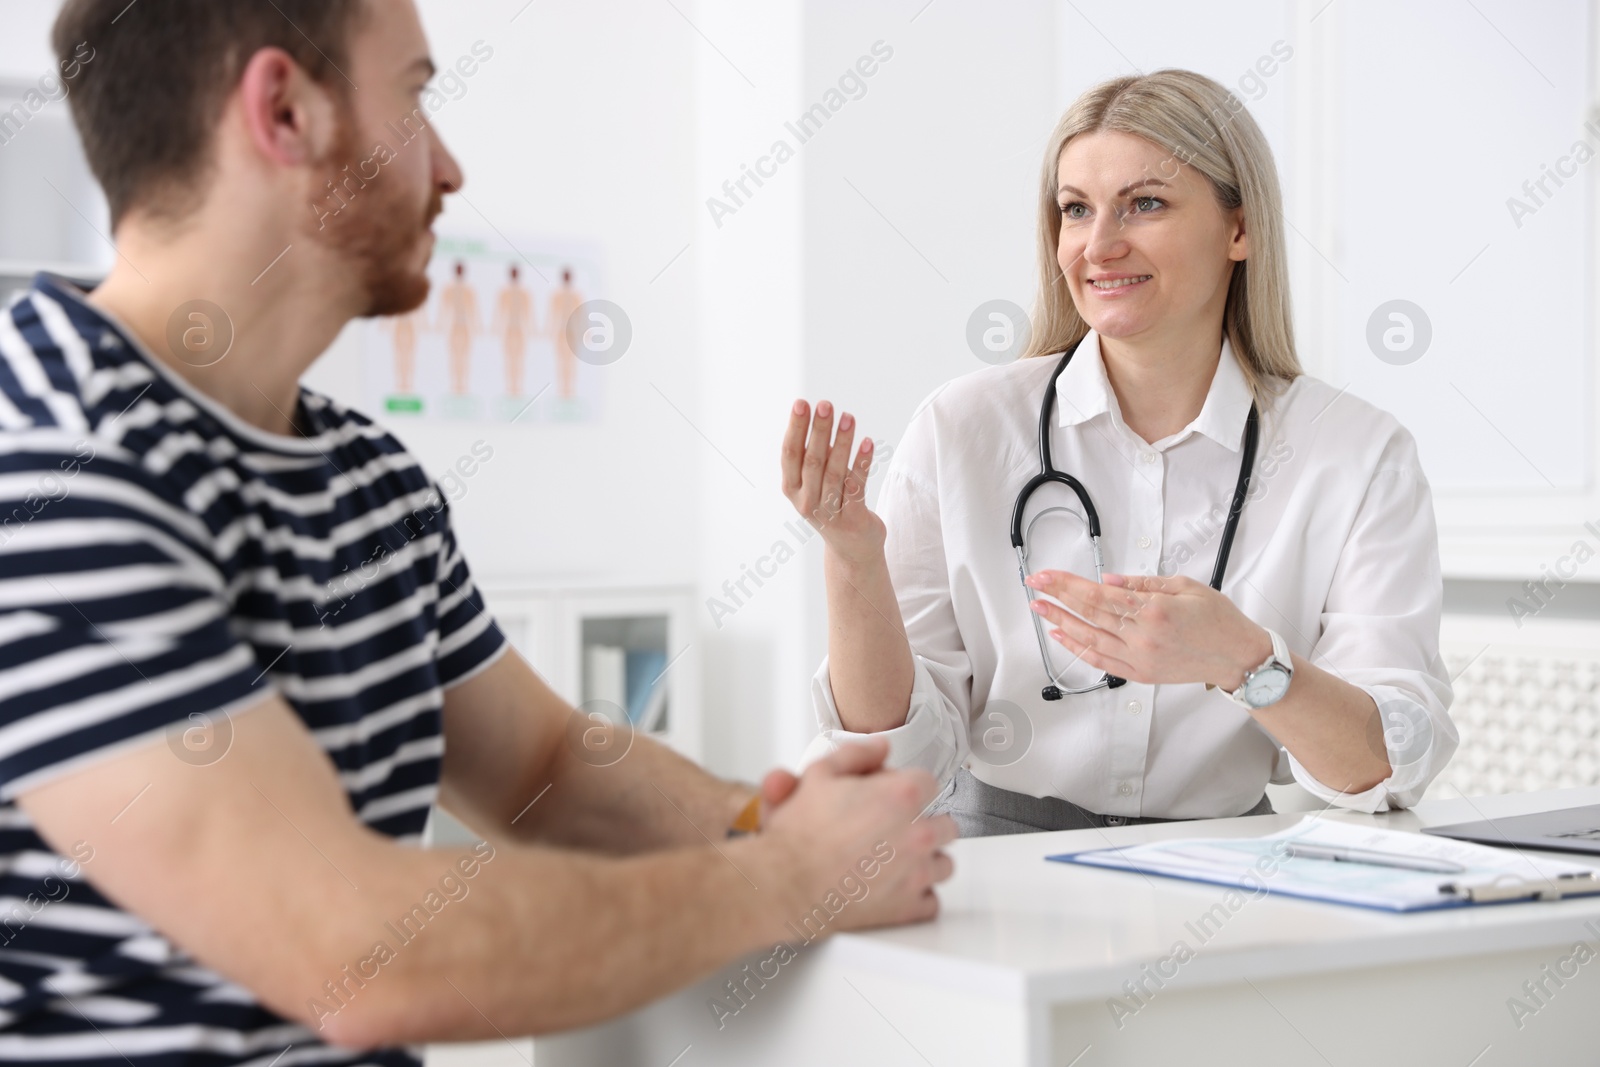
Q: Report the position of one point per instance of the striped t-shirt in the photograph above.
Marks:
(163, 564)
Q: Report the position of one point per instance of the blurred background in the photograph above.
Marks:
(629, 529)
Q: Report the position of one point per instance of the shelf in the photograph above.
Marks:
(617, 650)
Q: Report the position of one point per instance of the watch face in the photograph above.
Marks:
(1266, 687)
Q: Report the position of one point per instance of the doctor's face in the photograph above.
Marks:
(1146, 249)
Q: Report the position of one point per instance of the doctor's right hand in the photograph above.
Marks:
(825, 487)
(851, 831)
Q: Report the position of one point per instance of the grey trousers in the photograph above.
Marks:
(983, 810)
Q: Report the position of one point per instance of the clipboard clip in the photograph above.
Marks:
(1507, 887)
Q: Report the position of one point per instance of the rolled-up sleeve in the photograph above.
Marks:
(1380, 631)
(930, 738)
(934, 735)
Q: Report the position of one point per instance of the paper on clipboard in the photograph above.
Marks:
(1263, 864)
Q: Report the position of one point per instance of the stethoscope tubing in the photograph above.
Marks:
(1048, 475)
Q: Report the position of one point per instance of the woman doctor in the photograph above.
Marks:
(1148, 694)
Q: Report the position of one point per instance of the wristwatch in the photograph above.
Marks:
(1268, 683)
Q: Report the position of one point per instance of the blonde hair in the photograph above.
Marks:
(1207, 127)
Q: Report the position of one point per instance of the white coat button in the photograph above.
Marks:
(1144, 542)
(1148, 457)
(1125, 789)
(1134, 707)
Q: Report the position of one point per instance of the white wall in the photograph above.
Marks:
(752, 355)
(920, 203)
(25, 46)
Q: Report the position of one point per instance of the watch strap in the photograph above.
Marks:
(1280, 654)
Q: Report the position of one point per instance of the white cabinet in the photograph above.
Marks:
(624, 657)
(558, 628)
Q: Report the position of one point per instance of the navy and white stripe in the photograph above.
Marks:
(160, 559)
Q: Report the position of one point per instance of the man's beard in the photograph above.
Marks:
(377, 231)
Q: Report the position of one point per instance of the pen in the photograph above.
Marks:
(1375, 859)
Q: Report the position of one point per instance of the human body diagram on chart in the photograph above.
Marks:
(492, 343)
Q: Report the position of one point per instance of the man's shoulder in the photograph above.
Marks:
(68, 394)
(56, 368)
(357, 443)
(85, 413)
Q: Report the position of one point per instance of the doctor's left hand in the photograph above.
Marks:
(1151, 629)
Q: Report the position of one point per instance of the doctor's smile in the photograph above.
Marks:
(1109, 284)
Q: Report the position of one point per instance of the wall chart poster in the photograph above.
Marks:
(496, 339)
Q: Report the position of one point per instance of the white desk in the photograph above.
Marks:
(1026, 955)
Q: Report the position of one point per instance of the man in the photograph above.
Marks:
(241, 652)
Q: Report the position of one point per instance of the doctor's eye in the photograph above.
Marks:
(1145, 204)
(1074, 210)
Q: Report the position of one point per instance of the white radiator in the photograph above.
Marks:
(1527, 703)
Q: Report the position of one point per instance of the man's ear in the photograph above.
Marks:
(290, 119)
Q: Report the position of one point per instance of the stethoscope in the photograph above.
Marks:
(1048, 473)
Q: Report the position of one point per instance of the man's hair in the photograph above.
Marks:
(147, 107)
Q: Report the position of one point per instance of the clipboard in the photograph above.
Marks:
(1266, 865)
(1568, 886)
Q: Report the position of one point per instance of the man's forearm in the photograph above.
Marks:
(538, 939)
(521, 764)
(649, 798)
